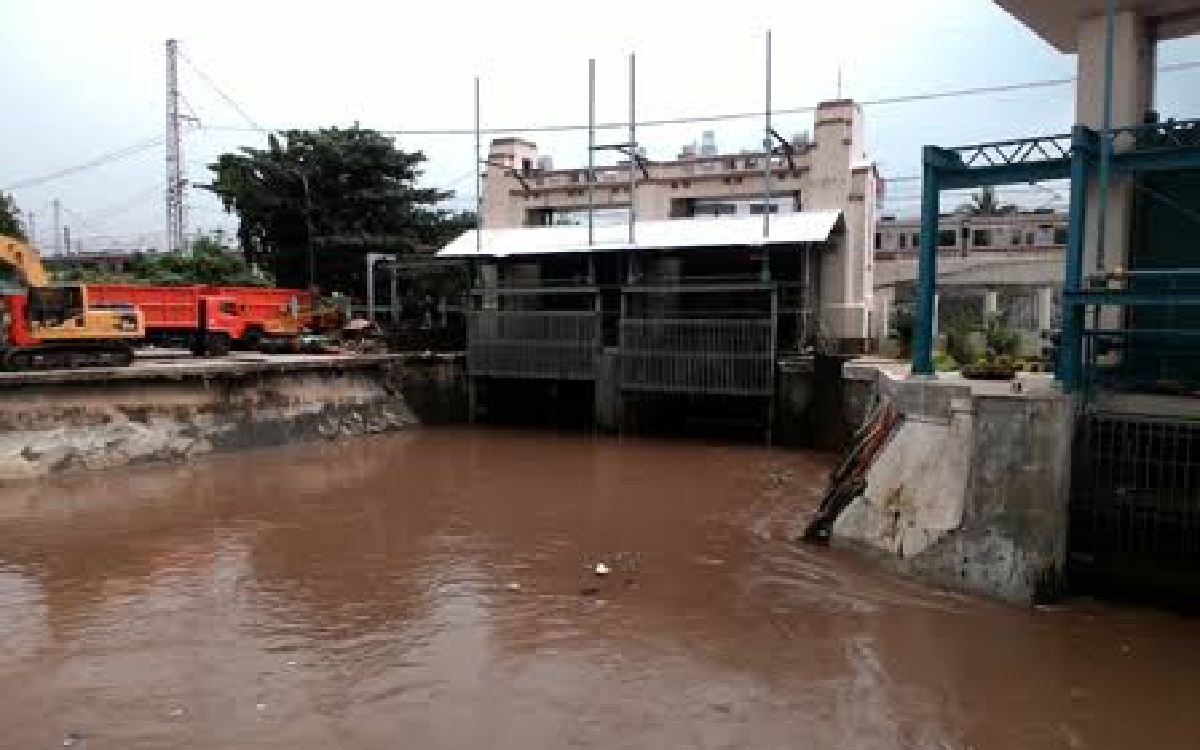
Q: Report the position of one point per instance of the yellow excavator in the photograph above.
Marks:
(47, 326)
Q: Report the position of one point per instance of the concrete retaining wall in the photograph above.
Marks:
(53, 422)
(972, 490)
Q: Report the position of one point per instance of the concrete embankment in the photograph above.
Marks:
(971, 489)
(57, 421)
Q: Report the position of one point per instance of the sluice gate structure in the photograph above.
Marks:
(693, 318)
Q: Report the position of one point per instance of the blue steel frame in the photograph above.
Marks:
(1165, 146)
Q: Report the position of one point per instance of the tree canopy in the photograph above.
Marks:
(10, 222)
(347, 191)
(207, 261)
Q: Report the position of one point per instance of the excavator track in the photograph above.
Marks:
(52, 357)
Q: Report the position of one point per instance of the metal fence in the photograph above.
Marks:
(707, 356)
(550, 345)
(1135, 490)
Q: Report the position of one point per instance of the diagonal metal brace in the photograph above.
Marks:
(788, 149)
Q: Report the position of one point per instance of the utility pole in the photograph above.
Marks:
(175, 184)
(56, 219)
(31, 229)
(66, 238)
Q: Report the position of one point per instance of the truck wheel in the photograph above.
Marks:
(253, 340)
(123, 356)
(216, 344)
(20, 360)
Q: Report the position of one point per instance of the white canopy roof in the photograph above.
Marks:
(739, 231)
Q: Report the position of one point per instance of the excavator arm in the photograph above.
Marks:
(24, 259)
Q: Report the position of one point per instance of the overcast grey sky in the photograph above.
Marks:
(86, 78)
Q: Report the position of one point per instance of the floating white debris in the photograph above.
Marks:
(514, 586)
(261, 706)
(602, 569)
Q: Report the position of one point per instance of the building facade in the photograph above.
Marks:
(827, 171)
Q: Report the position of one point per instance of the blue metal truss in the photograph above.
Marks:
(1165, 146)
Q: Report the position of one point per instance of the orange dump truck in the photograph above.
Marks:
(210, 320)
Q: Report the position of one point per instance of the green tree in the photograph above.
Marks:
(207, 261)
(987, 203)
(10, 222)
(346, 191)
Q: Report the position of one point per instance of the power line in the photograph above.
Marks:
(90, 164)
(699, 119)
(221, 93)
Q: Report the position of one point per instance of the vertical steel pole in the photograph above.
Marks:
(371, 287)
(767, 149)
(922, 354)
(394, 292)
(1070, 353)
(1106, 138)
(632, 145)
(591, 171)
(478, 176)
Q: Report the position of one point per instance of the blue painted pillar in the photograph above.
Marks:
(1070, 344)
(922, 353)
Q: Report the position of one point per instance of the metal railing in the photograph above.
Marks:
(703, 356)
(1135, 489)
(549, 345)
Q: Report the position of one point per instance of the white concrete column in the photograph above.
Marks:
(991, 304)
(1134, 54)
(1045, 308)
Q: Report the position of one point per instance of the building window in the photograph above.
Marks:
(902, 242)
(757, 208)
(1060, 235)
(731, 164)
(574, 177)
(947, 238)
(1016, 237)
(916, 239)
(685, 184)
(1029, 238)
(737, 180)
(674, 184)
(751, 163)
(878, 241)
(727, 181)
(981, 238)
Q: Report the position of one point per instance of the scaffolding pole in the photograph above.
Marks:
(633, 147)
(767, 142)
(478, 175)
(591, 172)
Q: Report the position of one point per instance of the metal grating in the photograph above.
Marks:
(703, 356)
(549, 345)
(1135, 490)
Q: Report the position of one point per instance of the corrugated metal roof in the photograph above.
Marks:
(738, 231)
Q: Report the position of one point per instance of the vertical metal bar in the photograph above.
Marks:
(922, 354)
(767, 148)
(1106, 134)
(478, 175)
(394, 292)
(1070, 348)
(632, 145)
(591, 173)
(371, 287)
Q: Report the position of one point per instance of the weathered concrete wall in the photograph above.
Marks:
(53, 422)
(971, 492)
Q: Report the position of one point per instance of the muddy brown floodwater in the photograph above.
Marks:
(435, 590)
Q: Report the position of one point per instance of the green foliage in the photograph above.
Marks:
(207, 261)
(1002, 340)
(944, 362)
(10, 222)
(344, 192)
(961, 343)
